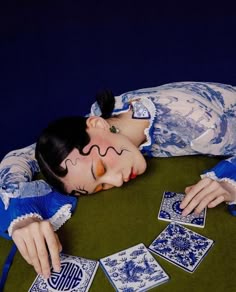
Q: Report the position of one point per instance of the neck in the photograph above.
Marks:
(133, 129)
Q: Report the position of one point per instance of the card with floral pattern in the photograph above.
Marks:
(181, 246)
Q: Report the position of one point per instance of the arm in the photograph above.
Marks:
(16, 173)
(216, 186)
(24, 212)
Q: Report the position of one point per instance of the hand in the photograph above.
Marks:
(33, 238)
(206, 193)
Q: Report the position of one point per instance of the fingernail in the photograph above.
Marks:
(46, 276)
(57, 269)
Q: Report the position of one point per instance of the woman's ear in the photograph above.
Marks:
(97, 122)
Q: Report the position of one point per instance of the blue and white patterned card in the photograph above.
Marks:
(181, 246)
(76, 275)
(170, 211)
(133, 269)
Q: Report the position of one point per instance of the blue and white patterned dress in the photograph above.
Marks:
(186, 118)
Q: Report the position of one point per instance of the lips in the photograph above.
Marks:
(132, 174)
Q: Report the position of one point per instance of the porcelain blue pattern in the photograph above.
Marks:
(133, 269)
(181, 246)
(188, 118)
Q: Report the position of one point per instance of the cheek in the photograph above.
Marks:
(112, 159)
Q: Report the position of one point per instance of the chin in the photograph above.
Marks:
(142, 169)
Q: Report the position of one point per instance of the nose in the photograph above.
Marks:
(114, 179)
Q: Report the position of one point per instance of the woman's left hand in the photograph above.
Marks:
(206, 193)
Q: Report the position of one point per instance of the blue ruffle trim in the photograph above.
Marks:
(46, 206)
(224, 169)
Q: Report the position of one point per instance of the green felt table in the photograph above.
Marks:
(114, 220)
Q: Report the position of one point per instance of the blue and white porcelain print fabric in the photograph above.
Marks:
(181, 246)
(76, 275)
(188, 118)
(133, 269)
(22, 198)
(16, 172)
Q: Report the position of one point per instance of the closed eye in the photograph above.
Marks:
(98, 169)
(92, 171)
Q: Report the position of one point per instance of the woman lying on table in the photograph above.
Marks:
(83, 155)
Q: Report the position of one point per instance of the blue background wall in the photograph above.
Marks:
(54, 56)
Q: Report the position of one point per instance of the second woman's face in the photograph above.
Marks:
(110, 160)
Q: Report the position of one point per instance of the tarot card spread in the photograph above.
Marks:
(76, 275)
(133, 269)
(181, 246)
(170, 211)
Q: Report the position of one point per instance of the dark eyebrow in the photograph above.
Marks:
(93, 171)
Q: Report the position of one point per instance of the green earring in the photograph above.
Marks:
(114, 130)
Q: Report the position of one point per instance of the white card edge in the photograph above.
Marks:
(92, 277)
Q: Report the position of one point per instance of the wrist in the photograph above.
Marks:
(23, 221)
(231, 189)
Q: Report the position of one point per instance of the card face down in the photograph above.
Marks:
(133, 269)
(76, 275)
(170, 211)
(181, 246)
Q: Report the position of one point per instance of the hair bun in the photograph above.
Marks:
(106, 102)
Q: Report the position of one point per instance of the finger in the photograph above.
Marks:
(215, 196)
(42, 253)
(54, 247)
(59, 243)
(216, 202)
(19, 242)
(33, 254)
(188, 189)
(194, 191)
(203, 199)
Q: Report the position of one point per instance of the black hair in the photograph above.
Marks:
(106, 102)
(63, 135)
(55, 143)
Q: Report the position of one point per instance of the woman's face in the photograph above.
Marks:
(111, 160)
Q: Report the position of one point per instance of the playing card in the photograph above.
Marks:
(133, 269)
(170, 211)
(181, 246)
(76, 275)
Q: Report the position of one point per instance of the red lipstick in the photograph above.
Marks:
(132, 175)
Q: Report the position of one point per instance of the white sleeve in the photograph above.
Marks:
(16, 173)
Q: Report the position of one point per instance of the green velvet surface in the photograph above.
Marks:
(114, 220)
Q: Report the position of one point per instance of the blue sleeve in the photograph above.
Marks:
(225, 170)
(20, 197)
(54, 207)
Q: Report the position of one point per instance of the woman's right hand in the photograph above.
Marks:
(35, 240)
